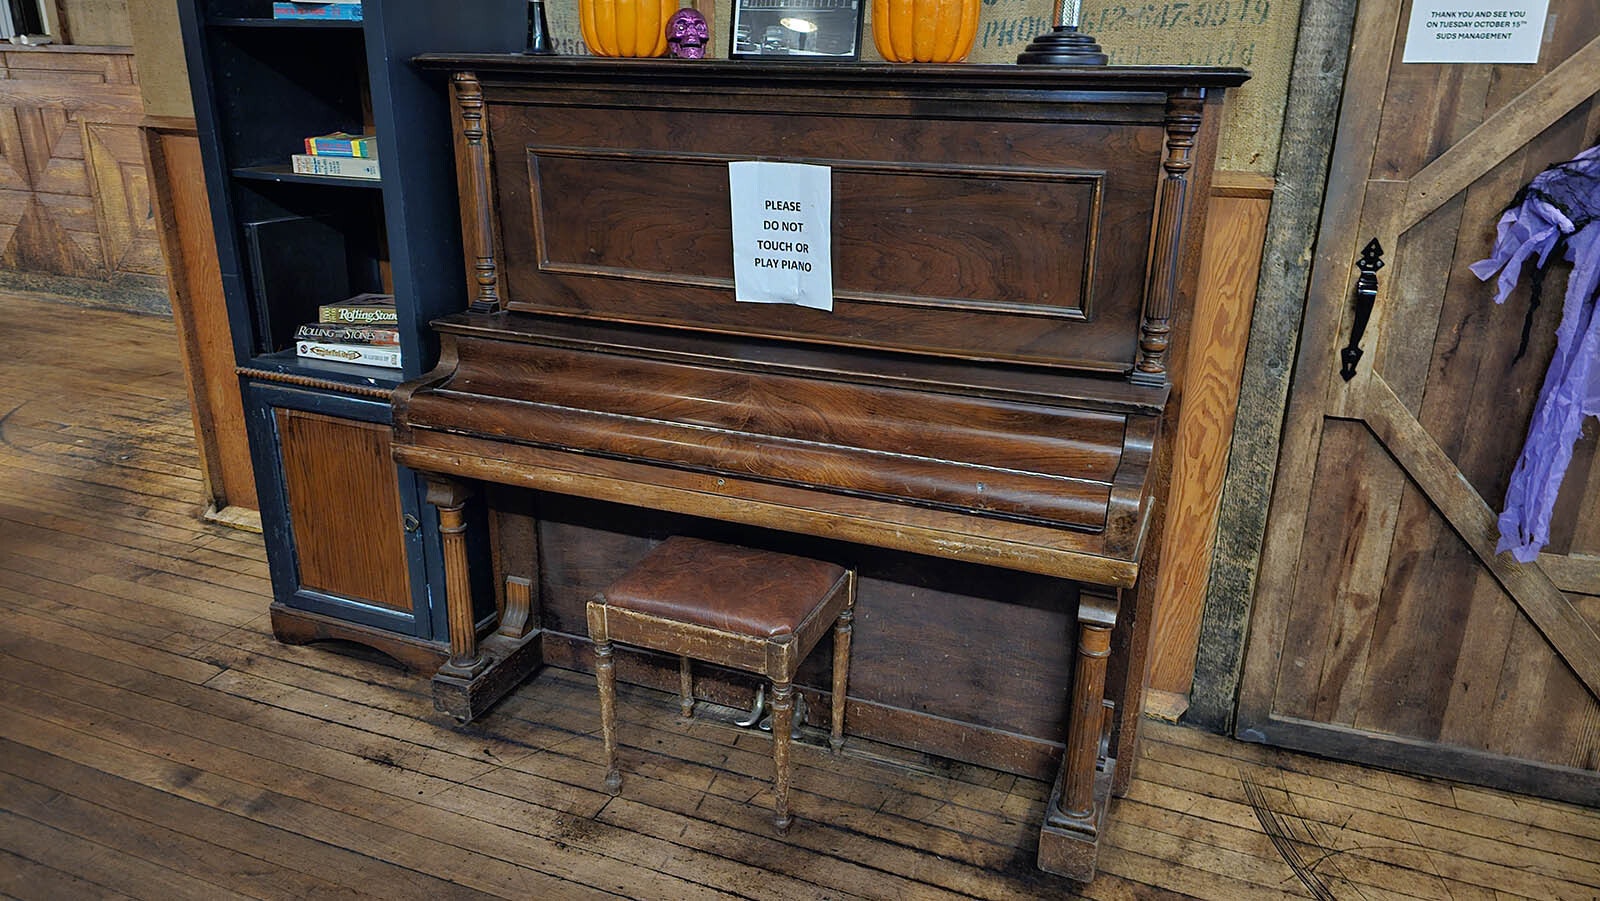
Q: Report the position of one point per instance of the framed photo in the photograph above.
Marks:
(797, 29)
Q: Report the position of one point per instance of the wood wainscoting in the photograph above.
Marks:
(75, 212)
(1230, 263)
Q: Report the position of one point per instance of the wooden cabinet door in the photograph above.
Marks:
(1385, 628)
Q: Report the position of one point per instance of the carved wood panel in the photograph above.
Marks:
(74, 194)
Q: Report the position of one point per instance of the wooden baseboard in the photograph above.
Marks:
(242, 518)
(1167, 706)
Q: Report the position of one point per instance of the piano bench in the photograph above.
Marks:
(746, 609)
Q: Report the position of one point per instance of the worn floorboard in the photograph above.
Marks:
(156, 742)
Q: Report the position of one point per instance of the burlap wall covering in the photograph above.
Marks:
(1256, 34)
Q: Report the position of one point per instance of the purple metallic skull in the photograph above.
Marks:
(687, 34)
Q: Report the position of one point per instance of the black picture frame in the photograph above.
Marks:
(767, 29)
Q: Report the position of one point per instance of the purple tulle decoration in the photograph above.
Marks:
(1558, 211)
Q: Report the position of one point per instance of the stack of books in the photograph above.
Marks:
(363, 330)
(341, 154)
(346, 10)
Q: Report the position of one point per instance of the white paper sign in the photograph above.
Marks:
(1475, 31)
(782, 233)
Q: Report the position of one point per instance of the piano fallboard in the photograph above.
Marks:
(1033, 469)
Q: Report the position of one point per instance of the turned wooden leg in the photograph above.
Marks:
(1096, 616)
(782, 725)
(685, 687)
(450, 499)
(842, 630)
(606, 675)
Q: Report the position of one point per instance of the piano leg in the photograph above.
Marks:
(477, 673)
(1069, 841)
(450, 499)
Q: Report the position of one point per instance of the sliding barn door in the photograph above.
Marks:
(1385, 629)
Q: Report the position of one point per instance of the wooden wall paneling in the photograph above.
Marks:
(344, 506)
(96, 21)
(123, 207)
(1322, 49)
(178, 191)
(1480, 351)
(80, 222)
(1302, 435)
(1386, 626)
(1229, 269)
(1572, 636)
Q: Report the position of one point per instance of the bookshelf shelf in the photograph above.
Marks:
(283, 173)
(288, 243)
(287, 362)
(269, 22)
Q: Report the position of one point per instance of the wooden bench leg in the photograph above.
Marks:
(842, 630)
(606, 675)
(782, 725)
(685, 688)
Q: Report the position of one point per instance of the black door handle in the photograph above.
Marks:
(1366, 295)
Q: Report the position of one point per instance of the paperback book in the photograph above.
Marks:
(341, 166)
(380, 336)
(342, 143)
(364, 354)
(362, 309)
(335, 9)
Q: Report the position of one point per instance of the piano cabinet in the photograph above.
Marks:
(980, 425)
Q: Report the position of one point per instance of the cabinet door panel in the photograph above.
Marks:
(344, 508)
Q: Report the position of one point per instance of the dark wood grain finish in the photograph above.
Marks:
(1014, 257)
(1166, 270)
(626, 218)
(1034, 462)
(483, 275)
(344, 502)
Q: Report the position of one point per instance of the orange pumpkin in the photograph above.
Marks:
(924, 31)
(625, 27)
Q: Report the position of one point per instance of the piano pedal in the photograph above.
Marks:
(756, 709)
(799, 715)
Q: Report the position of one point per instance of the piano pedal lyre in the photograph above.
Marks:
(759, 716)
(756, 710)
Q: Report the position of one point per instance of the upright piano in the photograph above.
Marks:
(980, 424)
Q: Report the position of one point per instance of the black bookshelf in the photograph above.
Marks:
(288, 243)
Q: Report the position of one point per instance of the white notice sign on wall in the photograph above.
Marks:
(782, 233)
(1475, 31)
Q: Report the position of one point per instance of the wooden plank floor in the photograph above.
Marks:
(155, 742)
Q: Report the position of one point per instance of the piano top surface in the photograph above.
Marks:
(866, 75)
